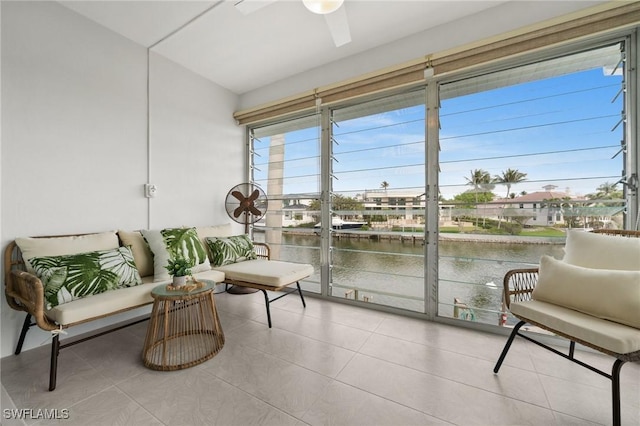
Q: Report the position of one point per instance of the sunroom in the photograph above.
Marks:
(413, 172)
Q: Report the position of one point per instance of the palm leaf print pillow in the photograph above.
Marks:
(172, 243)
(74, 276)
(230, 249)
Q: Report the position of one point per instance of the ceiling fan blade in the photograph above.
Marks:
(338, 23)
(238, 211)
(255, 211)
(249, 6)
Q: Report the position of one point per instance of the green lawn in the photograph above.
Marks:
(450, 230)
(543, 232)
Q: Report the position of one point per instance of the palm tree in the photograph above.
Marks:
(509, 177)
(480, 180)
(384, 185)
(607, 187)
(607, 191)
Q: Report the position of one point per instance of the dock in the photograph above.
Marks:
(408, 237)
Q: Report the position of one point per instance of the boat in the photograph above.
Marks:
(338, 223)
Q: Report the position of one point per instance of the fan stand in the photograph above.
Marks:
(236, 289)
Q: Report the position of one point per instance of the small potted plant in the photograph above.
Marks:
(179, 268)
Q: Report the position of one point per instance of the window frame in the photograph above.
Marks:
(629, 36)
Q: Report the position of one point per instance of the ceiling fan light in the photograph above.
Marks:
(322, 7)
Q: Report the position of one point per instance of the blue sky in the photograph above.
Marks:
(571, 113)
(556, 130)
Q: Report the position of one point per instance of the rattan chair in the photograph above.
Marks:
(518, 287)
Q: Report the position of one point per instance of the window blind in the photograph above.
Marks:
(615, 16)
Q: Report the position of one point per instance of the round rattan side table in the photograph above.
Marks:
(184, 328)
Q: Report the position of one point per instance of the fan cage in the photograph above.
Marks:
(246, 203)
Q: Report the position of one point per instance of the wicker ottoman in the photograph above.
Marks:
(184, 329)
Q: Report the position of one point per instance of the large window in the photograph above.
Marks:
(285, 163)
(422, 200)
(377, 209)
(526, 153)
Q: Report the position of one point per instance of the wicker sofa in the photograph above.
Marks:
(591, 297)
(25, 290)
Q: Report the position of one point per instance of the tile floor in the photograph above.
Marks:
(328, 364)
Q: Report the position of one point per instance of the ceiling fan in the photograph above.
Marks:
(333, 10)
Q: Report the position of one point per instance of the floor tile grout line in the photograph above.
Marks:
(607, 385)
(249, 394)
(317, 398)
(112, 381)
(389, 400)
(457, 382)
(276, 307)
(276, 327)
(330, 379)
(573, 416)
(293, 362)
(298, 334)
(606, 389)
(451, 351)
(13, 404)
(138, 403)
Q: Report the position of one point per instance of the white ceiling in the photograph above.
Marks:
(246, 52)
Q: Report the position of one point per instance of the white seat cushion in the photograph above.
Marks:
(114, 301)
(273, 273)
(102, 304)
(210, 275)
(615, 337)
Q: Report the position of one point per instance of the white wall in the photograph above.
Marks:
(74, 137)
(197, 151)
(492, 22)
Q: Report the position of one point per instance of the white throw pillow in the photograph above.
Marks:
(600, 251)
(604, 293)
(141, 252)
(168, 243)
(56, 246)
